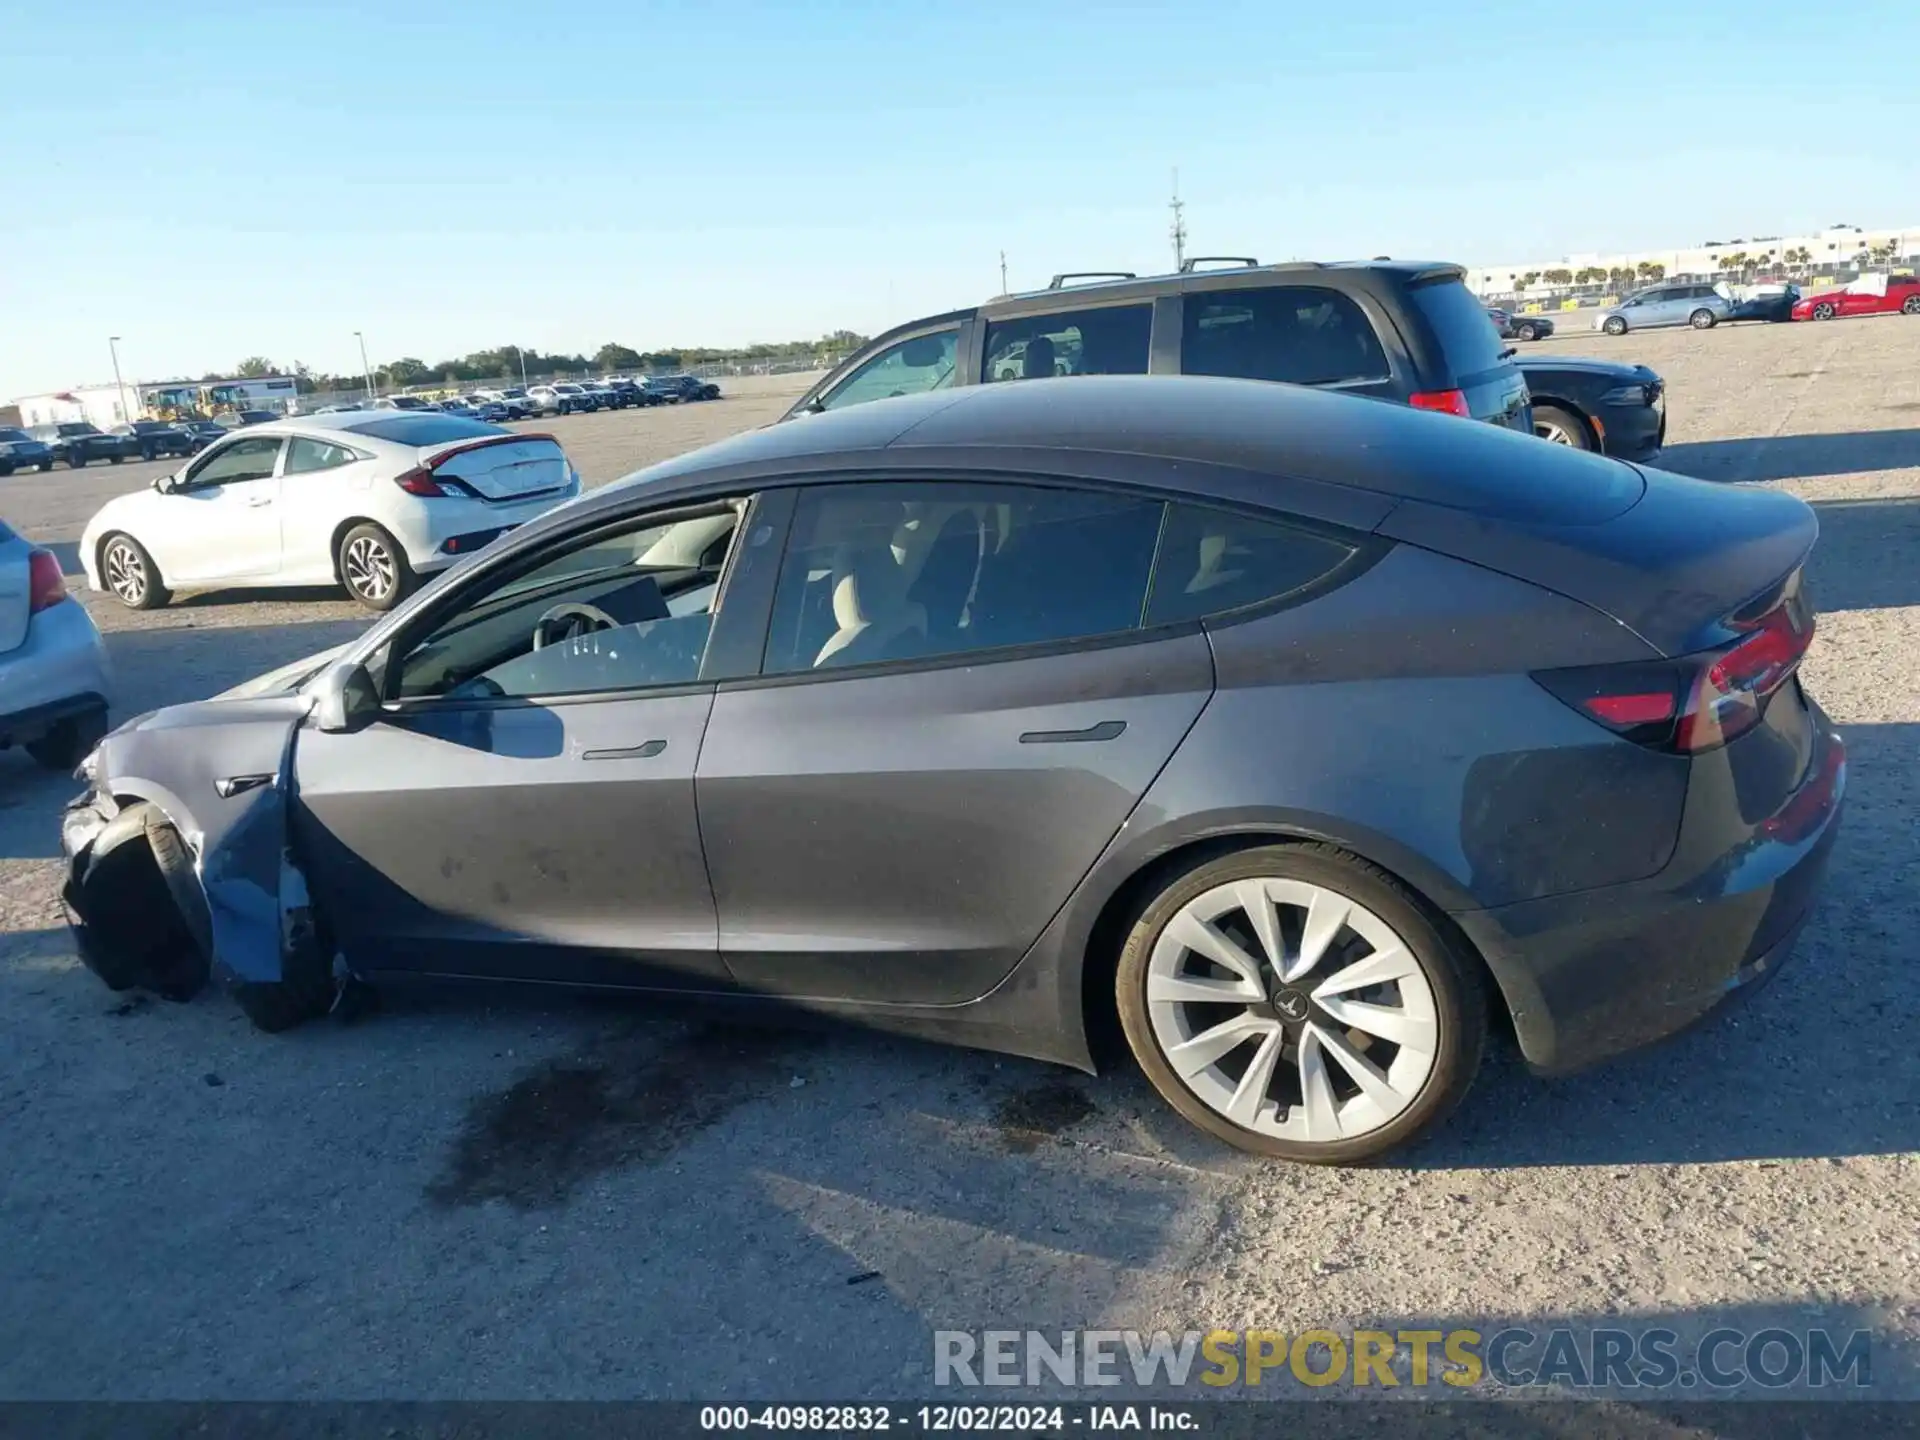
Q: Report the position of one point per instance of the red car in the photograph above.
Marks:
(1869, 295)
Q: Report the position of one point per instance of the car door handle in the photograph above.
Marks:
(1105, 730)
(255, 502)
(628, 752)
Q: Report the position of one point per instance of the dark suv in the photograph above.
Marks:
(1393, 330)
(150, 439)
(77, 443)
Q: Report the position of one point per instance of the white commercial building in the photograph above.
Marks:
(1842, 248)
(105, 405)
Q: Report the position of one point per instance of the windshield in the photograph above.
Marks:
(7, 433)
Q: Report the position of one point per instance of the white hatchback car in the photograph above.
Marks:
(369, 499)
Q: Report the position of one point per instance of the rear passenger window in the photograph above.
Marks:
(1466, 337)
(1212, 561)
(304, 455)
(886, 572)
(1109, 341)
(1300, 334)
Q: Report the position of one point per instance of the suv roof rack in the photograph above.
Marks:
(1087, 277)
(1194, 262)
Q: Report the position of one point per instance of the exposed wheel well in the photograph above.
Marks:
(1099, 1011)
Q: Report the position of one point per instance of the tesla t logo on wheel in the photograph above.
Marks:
(1292, 1004)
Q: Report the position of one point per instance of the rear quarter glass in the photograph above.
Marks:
(1467, 336)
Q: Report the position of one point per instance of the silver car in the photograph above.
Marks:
(54, 679)
(1682, 302)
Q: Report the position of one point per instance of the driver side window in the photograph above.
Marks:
(913, 367)
(251, 459)
(622, 610)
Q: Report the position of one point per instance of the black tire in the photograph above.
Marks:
(1824, 311)
(368, 550)
(76, 462)
(1703, 319)
(1549, 419)
(306, 989)
(1912, 305)
(149, 593)
(1526, 332)
(5, 471)
(147, 918)
(46, 467)
(1460, 1005)
(115, 458)
(68, 743)
(1615, 325)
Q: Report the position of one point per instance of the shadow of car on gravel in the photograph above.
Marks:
(1868, 554)
(1794, 457)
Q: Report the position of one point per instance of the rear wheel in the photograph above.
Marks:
(1824, 311)
(76, 462)
(1526, 332)
(129, 572)
(46, 467)
(1912, 306)
(1701, 319)
(1297, 1002)
(374, 568)
(115, 458)
(1615, 325)
(1562, 427)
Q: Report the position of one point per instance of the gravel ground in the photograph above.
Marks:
(478, 1194)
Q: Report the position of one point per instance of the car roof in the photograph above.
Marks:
(1177, 433)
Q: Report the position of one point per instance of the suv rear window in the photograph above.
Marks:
(1300, 334)
(433, 428)
(1467, 337)
(1111, 340)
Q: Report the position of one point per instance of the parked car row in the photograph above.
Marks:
(79, 443)
(1703, 306)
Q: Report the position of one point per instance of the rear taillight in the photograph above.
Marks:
(46, 586)
(1695, 702)
(1445, 402)
(419, 481)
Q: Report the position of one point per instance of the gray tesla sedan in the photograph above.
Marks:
(1304, 737)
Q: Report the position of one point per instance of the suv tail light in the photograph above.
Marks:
(1446, 402)
(1696, 702)
(46, 586)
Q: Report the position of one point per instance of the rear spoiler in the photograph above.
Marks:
(1436, 274)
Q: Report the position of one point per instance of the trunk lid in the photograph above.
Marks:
(504, 467)
(16, 590)
(1672, 567)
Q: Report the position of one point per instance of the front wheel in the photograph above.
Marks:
(46, 467)
(374, 568)
(115, 458)
(129, 572)
(1615, 325)
(1561, 427)
(1297, 1002)
(1701, 319)
(1824, 311)
(1526, 332)
(76, 462)
(1912, 306)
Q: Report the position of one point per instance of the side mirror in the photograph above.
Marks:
(345, 699)
(166, 484)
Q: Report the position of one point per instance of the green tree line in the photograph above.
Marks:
(507, 363)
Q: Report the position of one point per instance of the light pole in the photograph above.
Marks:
(365, 368)
(521, 350)
(120, 390)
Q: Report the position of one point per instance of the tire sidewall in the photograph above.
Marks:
(1616, 326)
(1458, 1001)
(1701, 320)
(153, 595)
(402, 571)
(1573, 424)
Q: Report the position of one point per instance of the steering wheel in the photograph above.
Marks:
(569, 621)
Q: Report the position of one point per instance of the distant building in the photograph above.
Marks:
(1843, 247)
(110, 405)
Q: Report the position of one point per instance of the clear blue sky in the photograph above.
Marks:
(211, 180)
